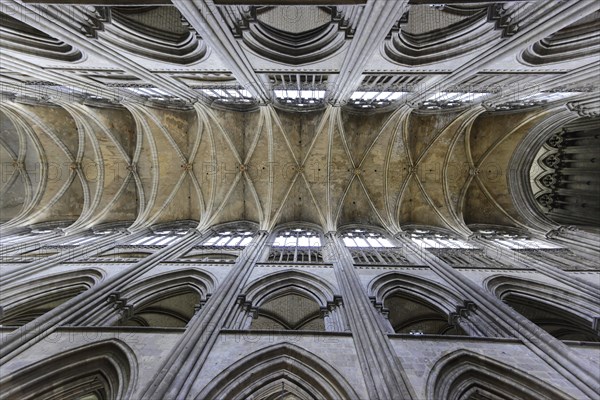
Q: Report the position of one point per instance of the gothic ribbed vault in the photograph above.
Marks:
(299, 199)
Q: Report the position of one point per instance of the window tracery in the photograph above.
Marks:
(455, 252)
(562, 177)
(159, 238)
(429, 239)
(363, 256)
(368, 247)
(296, 245)
(23, 237)
(515, 240)
(538, 249)
(364, 238)
(89, 237)
(209, 257)
(240, 237)
(41, 243)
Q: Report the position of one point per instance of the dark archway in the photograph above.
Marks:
(559, 323)
(409, 314)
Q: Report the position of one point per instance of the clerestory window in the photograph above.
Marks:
(296, 245)
(230, 238)
(365, 238)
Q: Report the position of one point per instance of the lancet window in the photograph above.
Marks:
(538, 249)
(456, 252)
(436, 240)
(296, 245)
(368, 247)
(8, 240)
(160, 237)
(230, 238)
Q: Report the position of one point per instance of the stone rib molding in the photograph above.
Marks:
(51, 24)
(88, 301)
(388, 380)
(552, 17)
(522, 260)
(68, 256)
(557, 354)
(179, 371)
(375, 23)
(204, 16)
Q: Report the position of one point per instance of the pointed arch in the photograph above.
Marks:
(462, 373)
(563, 314)
(415, 304)
(570, 301)
(258, 371)
(25, 302)
(384, 285)
(271, 285)
(106, 369)
(520, 165)
(168, 299)
(296, 242)
(290, 300)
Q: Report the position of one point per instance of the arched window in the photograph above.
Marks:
(209, 257)
(89, 238)
(161, 237)
(456, 252)
(516, 241)
(296, 245)
(239, 237)
(24, 237)
(368, 247)
(364, 238)
(140, 247)
(563, 177)
(542, 250)
(18, 247)
(430, 239)
(298, 237)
